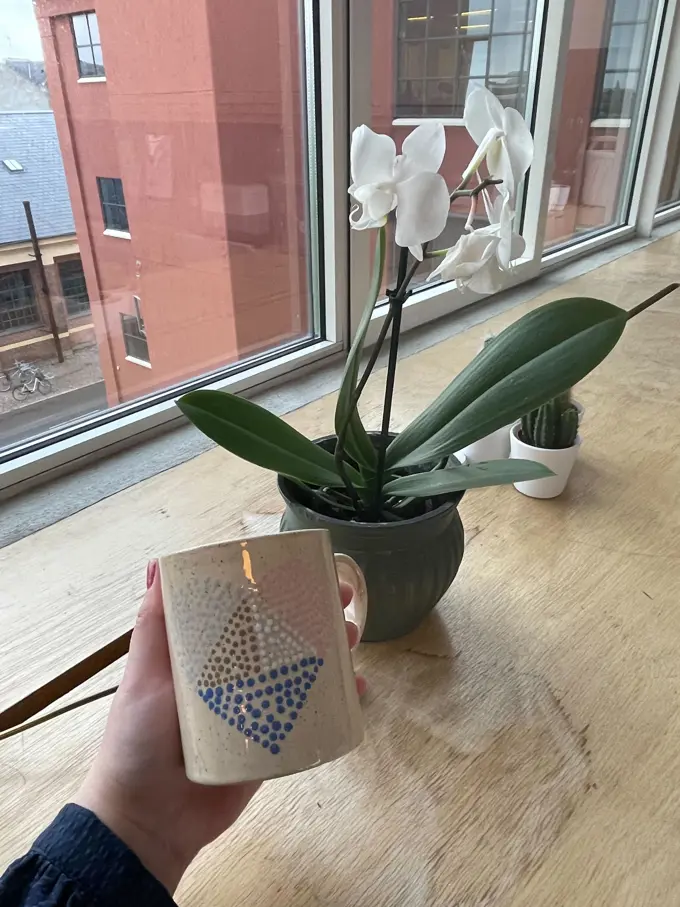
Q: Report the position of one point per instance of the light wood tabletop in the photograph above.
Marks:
(522, 747)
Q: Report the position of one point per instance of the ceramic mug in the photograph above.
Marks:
(261, 665)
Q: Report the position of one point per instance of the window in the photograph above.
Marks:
(134, 334)
(446, 47)
(88, 45)
(73, 287)
(18, 308)
(623, 58)
(603, 101)
(113, 203)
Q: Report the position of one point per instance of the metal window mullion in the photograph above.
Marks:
(556, 33)
(360, 93)
(663, 98)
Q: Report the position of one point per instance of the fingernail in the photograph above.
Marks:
(151, 568)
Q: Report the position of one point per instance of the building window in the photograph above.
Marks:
(134, 334)
(113, 203)
(447, 47)
(88, 45)
(73, 287)
(624, 54)
(18, 308)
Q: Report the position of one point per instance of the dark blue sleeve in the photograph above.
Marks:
(78, 862)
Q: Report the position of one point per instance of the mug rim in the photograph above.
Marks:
(239, 541)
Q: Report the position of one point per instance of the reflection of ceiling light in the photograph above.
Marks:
(477, 12)
(474, 26)
(417, 18)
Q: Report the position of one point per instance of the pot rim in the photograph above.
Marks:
(283, 483)
(515, 433)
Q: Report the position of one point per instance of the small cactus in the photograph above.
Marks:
(553, 425)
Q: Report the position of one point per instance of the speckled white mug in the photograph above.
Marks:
(261, 665)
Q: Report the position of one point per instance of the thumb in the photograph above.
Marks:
(149, 659)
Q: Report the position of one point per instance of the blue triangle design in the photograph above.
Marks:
(265, 707)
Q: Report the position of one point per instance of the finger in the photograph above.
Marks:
(362, 684)
(149, 656)
(352, 634)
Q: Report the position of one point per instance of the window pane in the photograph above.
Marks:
(443, 20)
(98, 61)
(456, 57)
(86, 61)
(476, 18)
(510, 15)
(94, 28)
(73, 287)
(475, 53)
(632, 10)
(601, 105)
(409, 99)
(412, 63)
(441, 58)
(80, 30)
(210, 160)
(626, 47)
(506, 54)
(413, 18)
(670, 184)
(18, 308)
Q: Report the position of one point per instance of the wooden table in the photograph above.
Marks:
(522, 748)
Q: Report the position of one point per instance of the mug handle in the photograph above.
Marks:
(350, 572)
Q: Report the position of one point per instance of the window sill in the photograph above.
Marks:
(119, 234)
(92, 79)
(416, 121)
(136, 361)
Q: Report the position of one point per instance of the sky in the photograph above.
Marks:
(19, 30)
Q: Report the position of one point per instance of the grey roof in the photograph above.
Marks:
(30, 138)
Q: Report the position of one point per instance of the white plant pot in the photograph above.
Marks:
(495, 446)
(561, 462)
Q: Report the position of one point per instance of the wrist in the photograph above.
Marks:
(149, 846)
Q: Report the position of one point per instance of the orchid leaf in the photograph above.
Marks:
(458, 478)
(254, 434)
(356, 441)
(539, 356)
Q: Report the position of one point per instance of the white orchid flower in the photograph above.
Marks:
(481, 259)
(409, 182)
(503, 138)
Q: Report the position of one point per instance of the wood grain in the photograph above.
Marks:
(523, 747)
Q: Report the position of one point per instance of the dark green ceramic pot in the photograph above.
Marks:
(408, 565)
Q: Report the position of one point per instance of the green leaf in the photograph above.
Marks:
(356, 440)
(457, 478)
(256, 435)
(542, 354)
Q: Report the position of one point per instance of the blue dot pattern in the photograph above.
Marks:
(226, 705)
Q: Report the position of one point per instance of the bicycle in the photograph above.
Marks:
(9, 376)
(32, 379)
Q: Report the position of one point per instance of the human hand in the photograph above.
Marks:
(137, 785)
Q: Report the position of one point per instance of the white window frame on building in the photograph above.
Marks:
(88, 46)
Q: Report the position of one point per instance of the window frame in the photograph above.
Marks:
(134, 335)
(457, 79)
(33, 303)
(109, 208)
(91, 437)
(82, 307)
(549, 57)
(96, 75)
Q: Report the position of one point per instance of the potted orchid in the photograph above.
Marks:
(391, 500)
